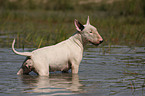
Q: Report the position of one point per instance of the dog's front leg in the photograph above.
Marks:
(74, 68)
(75, 62)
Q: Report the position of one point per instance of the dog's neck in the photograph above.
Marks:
(79, 40)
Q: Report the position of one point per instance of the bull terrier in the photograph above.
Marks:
(63, 56)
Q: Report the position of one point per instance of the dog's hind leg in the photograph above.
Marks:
(42, 70)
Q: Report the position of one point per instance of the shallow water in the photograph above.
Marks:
(115, 71)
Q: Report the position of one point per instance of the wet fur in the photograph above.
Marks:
(63, 56)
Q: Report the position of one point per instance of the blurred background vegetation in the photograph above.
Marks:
(37, 23)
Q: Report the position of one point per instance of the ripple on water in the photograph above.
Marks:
(107, 71)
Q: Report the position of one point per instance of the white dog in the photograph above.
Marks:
(62, 56)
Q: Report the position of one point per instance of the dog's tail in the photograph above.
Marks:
(20, 53)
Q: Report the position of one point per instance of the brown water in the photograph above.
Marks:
(115, 71)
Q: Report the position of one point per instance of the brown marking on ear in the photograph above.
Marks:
(78, 25)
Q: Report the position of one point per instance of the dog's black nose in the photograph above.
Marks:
(101, 41)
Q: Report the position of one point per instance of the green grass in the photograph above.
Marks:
(38, 27)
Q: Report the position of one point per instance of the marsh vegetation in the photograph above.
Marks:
(38, 23)
(35, 23)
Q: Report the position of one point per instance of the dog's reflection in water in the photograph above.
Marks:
(56, 84)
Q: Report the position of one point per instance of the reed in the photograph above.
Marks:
(38, 27)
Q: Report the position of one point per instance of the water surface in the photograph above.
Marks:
(107, 71)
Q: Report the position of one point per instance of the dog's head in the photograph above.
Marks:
(88, 32)
(26, 67)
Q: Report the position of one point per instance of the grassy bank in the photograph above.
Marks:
(37, 27)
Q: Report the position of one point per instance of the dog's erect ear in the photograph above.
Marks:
(78, 25)
(88, 21)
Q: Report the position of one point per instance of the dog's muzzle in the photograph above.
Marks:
(96, 44)
(101, 42)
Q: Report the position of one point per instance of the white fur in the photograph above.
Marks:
(64, 55)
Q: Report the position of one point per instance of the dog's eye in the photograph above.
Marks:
(91, 32)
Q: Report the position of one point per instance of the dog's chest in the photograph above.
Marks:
(59, 67)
